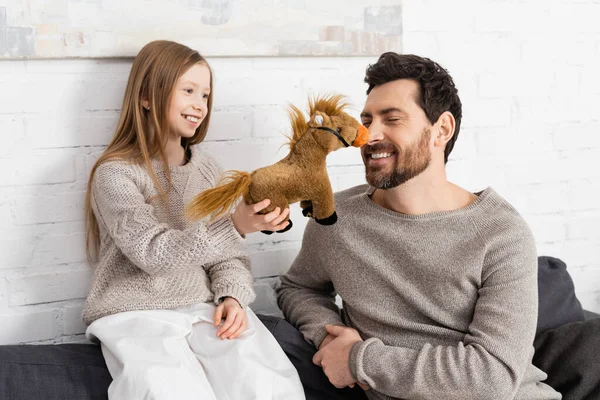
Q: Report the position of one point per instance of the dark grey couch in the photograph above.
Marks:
(566, 348)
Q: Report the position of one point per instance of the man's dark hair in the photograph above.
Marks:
(437, 91)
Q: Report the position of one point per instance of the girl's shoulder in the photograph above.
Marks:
(200, 156)
(116, 173)
(117, 167)
(205, 163)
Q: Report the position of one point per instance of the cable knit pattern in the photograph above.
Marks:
(446, 302)
(151, 256)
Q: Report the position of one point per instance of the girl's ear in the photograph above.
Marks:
(146, 104)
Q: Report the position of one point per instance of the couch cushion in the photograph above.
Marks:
(570, 355)
(53, 372)
(590, 315)
(558, 304)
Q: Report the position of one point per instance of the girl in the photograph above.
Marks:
(167, 291)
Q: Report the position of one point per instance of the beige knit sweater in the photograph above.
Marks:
(151, 256)
(446, 303)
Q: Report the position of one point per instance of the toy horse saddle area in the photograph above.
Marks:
(300, 176)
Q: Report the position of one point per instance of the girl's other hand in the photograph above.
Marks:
(235, 319)
(247, 220)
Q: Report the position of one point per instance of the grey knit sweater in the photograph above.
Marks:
(151, 256)
(446, 302)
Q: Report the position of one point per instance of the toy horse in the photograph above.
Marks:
(300, 176)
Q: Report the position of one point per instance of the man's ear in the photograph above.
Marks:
(446, 124)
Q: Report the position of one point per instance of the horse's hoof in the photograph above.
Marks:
(287, 228)
(267, 232)
(332, 219)
(307, 212)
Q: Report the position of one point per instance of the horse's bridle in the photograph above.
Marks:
(337, 135)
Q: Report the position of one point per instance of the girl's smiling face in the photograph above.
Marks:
(189, 102)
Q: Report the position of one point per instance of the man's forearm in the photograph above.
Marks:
(449, 372)
(309, 311)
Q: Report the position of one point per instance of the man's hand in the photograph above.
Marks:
(328, 339)
(235, 319)
(334, 355)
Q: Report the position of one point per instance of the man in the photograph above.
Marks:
(439, 285)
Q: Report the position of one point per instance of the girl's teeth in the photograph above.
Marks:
(191, 119)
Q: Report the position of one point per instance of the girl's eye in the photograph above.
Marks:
(189, 91)
(205, 95)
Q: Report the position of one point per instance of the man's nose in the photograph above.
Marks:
(375, 132)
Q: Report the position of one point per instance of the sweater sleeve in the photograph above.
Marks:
(151, 245)
(492, 358)
(232, 278)
(306, 295)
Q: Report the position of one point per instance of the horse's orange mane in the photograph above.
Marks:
(331, 105)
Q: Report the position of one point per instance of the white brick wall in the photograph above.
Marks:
(526, 71)
(527, 74)
(55, 118)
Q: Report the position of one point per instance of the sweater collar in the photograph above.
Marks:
(484, 197)
(158, 165)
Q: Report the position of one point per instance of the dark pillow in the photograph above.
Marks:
(570, 355)
(53, 372)
(558, 304)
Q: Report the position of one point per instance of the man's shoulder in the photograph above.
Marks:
(347, 196)
(494, 204)
(496, 215)
(506, 236)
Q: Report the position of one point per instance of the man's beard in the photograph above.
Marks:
(410, 162)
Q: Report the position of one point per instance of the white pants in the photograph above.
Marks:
(176, 354)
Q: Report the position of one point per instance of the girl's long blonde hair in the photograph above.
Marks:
(143, 134)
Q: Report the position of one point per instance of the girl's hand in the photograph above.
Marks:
(235, 319)
(246, 220)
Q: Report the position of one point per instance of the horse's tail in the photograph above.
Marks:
(220, 199)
